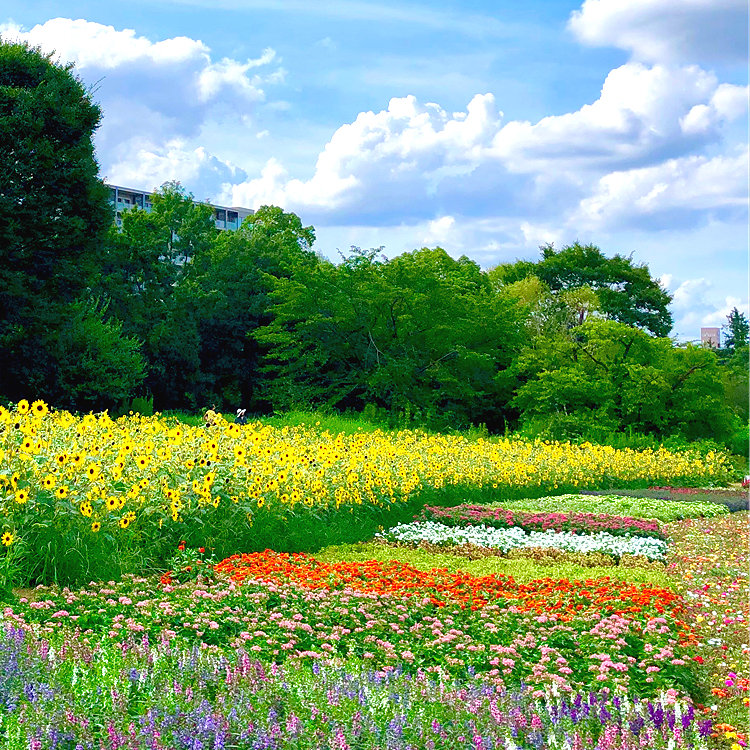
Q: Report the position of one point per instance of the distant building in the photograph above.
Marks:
(123, 198)
(710, 337)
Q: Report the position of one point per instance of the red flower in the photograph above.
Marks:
(201, 550)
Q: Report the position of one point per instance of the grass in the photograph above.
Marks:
(734, 499)
(522, 570)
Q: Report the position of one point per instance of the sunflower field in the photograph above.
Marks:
(92, 494)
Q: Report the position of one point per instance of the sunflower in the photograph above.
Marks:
(93, 471)
(39, 409)
(130, 515)
(23, 406)
(112, 502)
(78, 459)
(124, 522)
(86, 509)
(6, 539)
(61, 458)
(49, 481)
(61, 492)
(95, 526)
(21, 496)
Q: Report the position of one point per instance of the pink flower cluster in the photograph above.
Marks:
(585, 523)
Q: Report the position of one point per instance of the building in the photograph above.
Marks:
(710, 337)
(122, 198)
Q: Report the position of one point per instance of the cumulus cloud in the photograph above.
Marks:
(671, 31)
(697, 303)
(639, 116)
(691, 186)
(384, 160)
(415, 161)
(146, 167)
(157, 97)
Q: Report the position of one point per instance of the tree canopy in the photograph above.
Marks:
(626, 292)
(53, 214)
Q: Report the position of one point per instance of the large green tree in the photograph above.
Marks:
(608, 376)
(54, 213)
(421, 333)
(626, 291)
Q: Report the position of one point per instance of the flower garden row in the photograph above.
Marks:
(156, 697)
(287, 650)
(507, 529)
(283, 651)
(122, 492)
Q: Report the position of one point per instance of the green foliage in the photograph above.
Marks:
(53, 212)
(607, 376)
(421, 334)
(98, 366)
(737, 330)
(625, 291)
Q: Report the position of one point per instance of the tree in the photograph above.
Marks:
(143, 279)
(608, 376)
(54, 212)
(737, 330)
(421, 333)
(626, 292)
(99, 366)
(230, 283)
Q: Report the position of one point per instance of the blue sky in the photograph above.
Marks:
(485, 127)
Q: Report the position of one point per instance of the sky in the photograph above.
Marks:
(485, 127)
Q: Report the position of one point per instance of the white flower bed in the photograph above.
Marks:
(514, 537)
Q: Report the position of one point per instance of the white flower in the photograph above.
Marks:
(515, 537)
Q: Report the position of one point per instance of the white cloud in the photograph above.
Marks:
(89, 44)
(415, 161)
(689, 185)
(157, 97)
(383, 159)
(638, 116)
(230, 76)
(700, 31)
(697, 303)
(148, 167)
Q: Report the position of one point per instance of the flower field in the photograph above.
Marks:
(208, 620)
(117, 495)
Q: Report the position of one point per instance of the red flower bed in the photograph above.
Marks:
(562, 597)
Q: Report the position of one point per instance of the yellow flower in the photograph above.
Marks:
(86, 510)
(23, 406)
(95, 526)
(93, 471)
(39, 408)
(61, 492)
(21, 496)
(112, 502)
(49, 481)
(124, 522)
(6, 539)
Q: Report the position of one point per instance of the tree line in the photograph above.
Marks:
(169, 310)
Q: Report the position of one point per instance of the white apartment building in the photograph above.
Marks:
(122, 198)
